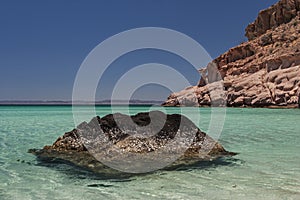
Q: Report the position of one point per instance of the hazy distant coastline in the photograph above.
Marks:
(103, 102)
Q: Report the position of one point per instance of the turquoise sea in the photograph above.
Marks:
(267, 166)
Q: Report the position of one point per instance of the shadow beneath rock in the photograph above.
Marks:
(203, 165)
(76, 172)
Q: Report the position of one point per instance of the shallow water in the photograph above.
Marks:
(267, 166)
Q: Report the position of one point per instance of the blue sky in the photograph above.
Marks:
(43, 43)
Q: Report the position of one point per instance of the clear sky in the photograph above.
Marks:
(43, 43)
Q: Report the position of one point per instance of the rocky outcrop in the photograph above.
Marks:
(263, 72)
(112, 136)
(282, 12)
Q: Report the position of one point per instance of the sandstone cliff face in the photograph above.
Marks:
(282, 12)
(265, 71)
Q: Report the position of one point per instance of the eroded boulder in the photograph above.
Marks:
(114, 136)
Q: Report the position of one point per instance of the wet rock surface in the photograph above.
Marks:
(113, 136)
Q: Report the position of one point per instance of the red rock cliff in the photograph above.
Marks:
(282, 12)
(265, 71)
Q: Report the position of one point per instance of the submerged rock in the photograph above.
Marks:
(117, 137)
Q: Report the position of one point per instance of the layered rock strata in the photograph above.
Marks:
(262, 72)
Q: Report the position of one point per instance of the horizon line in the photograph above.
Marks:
(81, 102)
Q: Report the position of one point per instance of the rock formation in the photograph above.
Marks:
(282, 12)
(107, 138)
(262, 72)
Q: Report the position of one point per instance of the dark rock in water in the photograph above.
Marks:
(116, 137)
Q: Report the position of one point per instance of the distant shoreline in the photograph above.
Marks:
(134, 104)
(83, 103)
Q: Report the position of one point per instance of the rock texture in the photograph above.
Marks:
(80, 148)
(263, 72)
(282, 12)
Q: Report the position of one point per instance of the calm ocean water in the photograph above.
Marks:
(267, 167)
